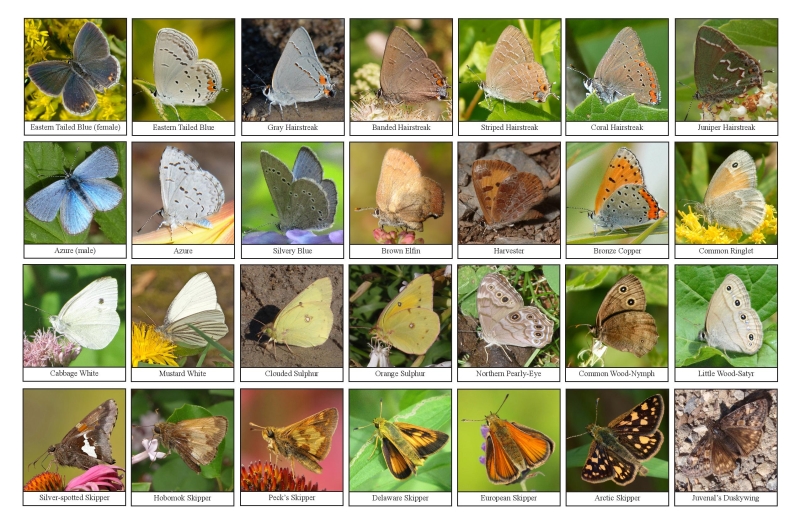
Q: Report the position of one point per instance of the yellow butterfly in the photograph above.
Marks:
(408, 322)
(306, 321)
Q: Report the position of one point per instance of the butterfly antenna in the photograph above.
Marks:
(159, 211)
(257, 427)
(46, 452)
(503, 403)
(263, 83)
(571, 67)
(596, 407)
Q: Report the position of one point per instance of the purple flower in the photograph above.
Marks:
(293, 237)
(98, 478)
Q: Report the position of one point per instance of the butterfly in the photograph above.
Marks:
(513, 450)
(504, 194)
(617, 451)
(506, 320)
(196, 440)
(408, 322)
(733, 436)
(307, 320)
(308, 441)
(622, 199)
(90, 318)
(87, 444)
(189, 193)
(91, 68)
(303, 199)
(195, 304)
(81, 193)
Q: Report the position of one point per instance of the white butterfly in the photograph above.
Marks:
(195, 304)
(90, 318)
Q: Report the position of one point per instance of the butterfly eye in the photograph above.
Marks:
(735, 165)
(271, 434)
(751, 337)
(737, 303)
(743, 317)
(631, 302)
(157, 429)
(514, 317)
(411, 325)
(623, 289)
(729, 288)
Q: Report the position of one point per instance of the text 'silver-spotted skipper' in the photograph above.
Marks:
(731, 437)
(618, 450)
(307, 441)
(195, 440)
(86, 445)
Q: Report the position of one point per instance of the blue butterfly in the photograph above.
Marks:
(80, 194)
(91, 68)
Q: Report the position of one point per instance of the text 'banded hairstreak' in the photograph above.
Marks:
(512, 73)
(723, 71)
(408, 75)
(90, 69)
(624, 71)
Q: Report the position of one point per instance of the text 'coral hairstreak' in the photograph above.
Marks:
(623, 71)
(722, 70)
(181, 78)
(91, 68)
(408, 75)
(81, 193)
(512, 73)
(622, 199)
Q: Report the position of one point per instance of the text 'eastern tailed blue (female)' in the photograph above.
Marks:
(81, 193)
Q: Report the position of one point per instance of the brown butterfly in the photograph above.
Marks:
(505, 194)
(195, 440)
(622, 322)
(617, 451)
(733, 436)
(86, 445)
(307, 441)
(405, 198)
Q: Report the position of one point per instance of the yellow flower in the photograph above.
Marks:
(149, 345)
(691, 231)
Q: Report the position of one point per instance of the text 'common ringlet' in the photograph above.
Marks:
(505, 195)
(731, 322)
(506, 320)
(408, 322)
(622, 322)
(307, 320)
(732, 199)
(405, 198)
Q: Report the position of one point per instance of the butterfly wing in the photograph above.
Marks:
(731, 323)
(189, 193)
(195, 304)
(408, 322)
(404, 61)
(197, 440)
(279, 182)
(50, 76)
(732, 199)
(307, 320)
(626, 53)
(91, 52)
(315, 82)
(44, 204)
(101, 193)
(499, 467)
(623, 169)
(87, 443)
(90, 318)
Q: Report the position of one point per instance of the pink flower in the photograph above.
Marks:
(98, 478)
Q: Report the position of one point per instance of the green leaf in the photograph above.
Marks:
(170, 113)
(369, 473)
(592, 109)
(694, 287)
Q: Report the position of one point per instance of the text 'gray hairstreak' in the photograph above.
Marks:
(722, 70)
(731, 322)
(299, 76)
(408, 75)
(512, 73)
(181, 78)
(91, 68)
(622, 199)
(624, 71)
(189, 193)
(303, 199)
